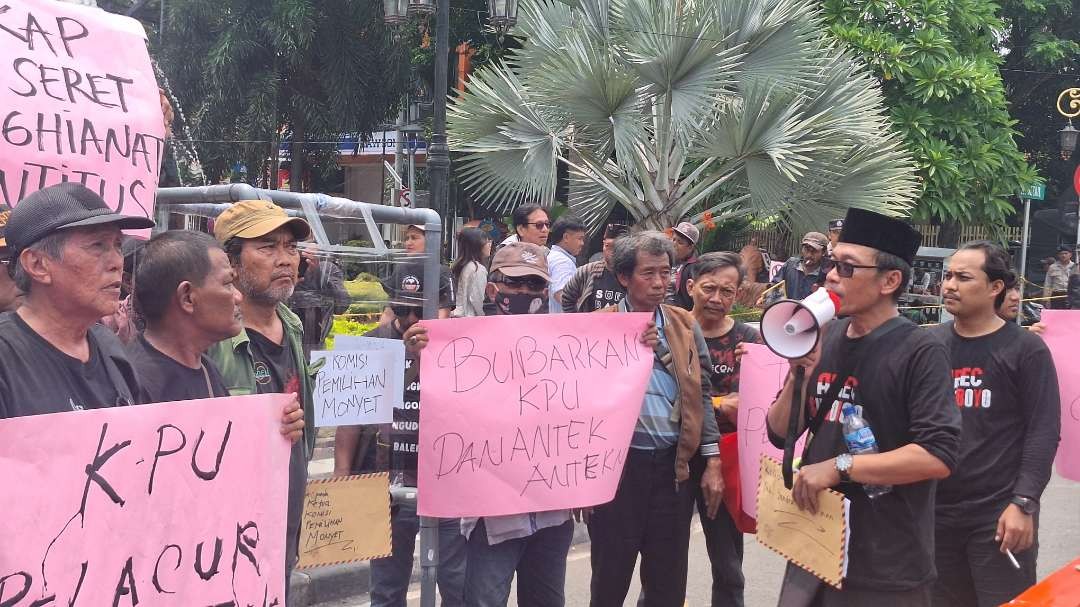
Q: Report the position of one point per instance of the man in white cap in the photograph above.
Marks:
(685, 237)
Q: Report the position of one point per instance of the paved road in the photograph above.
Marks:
(1060, 542)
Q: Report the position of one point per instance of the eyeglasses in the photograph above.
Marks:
(540, 225)
(845, 269)
(531, 283)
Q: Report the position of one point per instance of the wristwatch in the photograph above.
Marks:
(1027, 505)
(843, 466)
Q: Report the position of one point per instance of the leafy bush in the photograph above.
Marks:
(746, 314)
(368, 295)
(344, 326)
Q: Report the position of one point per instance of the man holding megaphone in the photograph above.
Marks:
(875, 393)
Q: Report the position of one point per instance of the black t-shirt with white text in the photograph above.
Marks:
(164, 380)
(404, 432)
(1006, 389)
(36, 378)
(901, 382)
(725, 370)
(607, 292)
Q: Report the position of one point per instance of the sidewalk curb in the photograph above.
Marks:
(313, 586)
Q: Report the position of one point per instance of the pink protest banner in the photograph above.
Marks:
(528, 413)
(78, 102)
(172, 505)
(1062, 330)
(761, 375)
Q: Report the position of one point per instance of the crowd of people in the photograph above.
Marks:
(965, 414)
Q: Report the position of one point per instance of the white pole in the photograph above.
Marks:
(1023, 257)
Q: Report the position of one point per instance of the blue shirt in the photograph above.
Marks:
(655, 428)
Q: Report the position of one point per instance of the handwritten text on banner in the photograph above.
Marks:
(176, 504)
(528, 413)
(78, 102)
(1062, 328)
(355, 387)
(761, 375)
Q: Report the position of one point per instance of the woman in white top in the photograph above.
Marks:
(470, 272)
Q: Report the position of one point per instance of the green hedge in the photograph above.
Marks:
(344, 326)
(369, 295)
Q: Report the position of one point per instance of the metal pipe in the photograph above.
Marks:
(438, 167)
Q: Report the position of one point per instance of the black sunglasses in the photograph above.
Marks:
(404, 311)
(540, 225)
(531, 283)
(845, 269)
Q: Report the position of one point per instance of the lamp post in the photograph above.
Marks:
(1068, 105)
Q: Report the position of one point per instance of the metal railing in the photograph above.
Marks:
(211, 201)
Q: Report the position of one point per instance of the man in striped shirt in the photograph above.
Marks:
(651, 512)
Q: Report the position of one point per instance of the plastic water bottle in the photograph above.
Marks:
(860, 439)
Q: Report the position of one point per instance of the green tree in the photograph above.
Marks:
(261, 70)
(938, 64)
(1041, 46)
(679, 108)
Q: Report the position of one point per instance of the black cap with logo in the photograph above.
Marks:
(61, 207)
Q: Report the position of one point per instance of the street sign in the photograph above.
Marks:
(405, 198)
(1033, 192)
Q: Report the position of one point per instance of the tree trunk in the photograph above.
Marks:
(949, 234)
(296, 170)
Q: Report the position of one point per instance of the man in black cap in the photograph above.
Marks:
(65, 246)
(1056, 284)
(879, 366)
(835, 227)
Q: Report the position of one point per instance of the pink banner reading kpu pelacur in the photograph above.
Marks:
(761, 375)
(78, 102)
(528, 413)
(171, 505)
(1062, 330)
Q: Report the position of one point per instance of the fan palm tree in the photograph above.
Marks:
(706, 109)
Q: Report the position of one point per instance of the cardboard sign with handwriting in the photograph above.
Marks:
(816, 542)
(346, 519)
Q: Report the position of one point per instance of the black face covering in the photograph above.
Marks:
(521, 303)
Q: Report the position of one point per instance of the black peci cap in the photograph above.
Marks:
(886, 234)
(60, 207)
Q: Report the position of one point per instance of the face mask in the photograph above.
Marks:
(520, 303)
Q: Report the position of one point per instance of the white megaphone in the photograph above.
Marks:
(792, 328)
